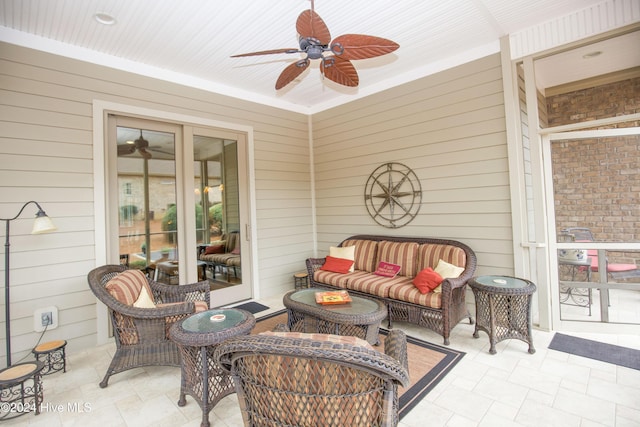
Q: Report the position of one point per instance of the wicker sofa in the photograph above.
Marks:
(438, 311)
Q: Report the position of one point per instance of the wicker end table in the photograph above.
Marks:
(503, 308)
(197, 337)
(361, 317)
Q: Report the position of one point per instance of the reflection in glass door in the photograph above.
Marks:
(180, 212)
(219, 234)
(147, 205)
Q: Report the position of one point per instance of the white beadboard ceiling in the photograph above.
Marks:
(191, 41)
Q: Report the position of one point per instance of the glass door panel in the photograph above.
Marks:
(181, 191)
(219, 234)
(147, 201)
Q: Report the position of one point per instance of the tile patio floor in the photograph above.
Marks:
(511, 388)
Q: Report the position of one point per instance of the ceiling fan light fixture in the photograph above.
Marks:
(104, 18)
(315, 40)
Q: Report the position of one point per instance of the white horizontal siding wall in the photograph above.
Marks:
(46, 155)
(449, 128)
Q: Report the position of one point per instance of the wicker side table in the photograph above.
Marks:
(197, 337)
(20, 389)
(503, 308)
(360, 318)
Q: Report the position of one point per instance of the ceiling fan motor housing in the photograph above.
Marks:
(313, 47)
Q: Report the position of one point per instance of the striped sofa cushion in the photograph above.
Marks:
(373, 284)
(365, 254)
(336, 279)
(429, 254)
(403, 254)
(407, 292)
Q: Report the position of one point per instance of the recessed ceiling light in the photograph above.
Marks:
(592, 54)
(104, 18)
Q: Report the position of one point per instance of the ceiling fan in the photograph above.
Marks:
(315, 41)
(139, 144)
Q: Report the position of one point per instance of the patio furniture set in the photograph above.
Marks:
(320, 368)
(296, 376)
(575, 264)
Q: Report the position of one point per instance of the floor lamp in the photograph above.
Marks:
(42, 224)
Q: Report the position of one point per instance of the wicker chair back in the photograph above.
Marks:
(303, 382)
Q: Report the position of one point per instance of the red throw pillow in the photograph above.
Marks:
(337, 265)
(214, 249)
(236, 251)
(427, 280)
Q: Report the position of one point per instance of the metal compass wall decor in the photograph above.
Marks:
(393, 195)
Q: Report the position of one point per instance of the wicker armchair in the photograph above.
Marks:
(142, 334)
(282, 380)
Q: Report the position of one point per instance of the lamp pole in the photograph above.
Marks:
(42, 224)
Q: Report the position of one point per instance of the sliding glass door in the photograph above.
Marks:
(176, 190)
(219, 189)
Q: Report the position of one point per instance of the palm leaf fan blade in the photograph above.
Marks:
(266, 52)
(340, 71)
(361, 46)
(291, 72)
(309, 24)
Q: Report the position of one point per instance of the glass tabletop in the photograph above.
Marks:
(213, 320)
(357, 305)
(504, 282)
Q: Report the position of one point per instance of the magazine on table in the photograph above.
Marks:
(333, 297)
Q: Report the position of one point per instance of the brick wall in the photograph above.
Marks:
(598, 102)
(597, 181)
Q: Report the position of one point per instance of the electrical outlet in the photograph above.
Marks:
(47, 318)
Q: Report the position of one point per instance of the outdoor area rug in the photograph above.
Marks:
(428, 363)
(621, 356)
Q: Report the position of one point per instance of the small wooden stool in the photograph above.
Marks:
(54, 356)
(300, 280)
(20, 389)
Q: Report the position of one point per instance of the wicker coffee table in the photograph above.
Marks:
(197, 337)
(503, 308)
(360, 318)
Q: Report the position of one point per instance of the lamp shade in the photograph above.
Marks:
(42, 224)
